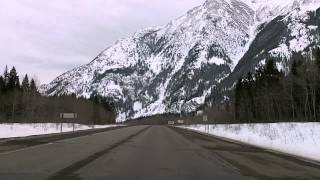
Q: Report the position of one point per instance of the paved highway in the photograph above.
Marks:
(149, 152)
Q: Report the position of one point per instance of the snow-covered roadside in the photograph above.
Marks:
(23, 130)
(300, 139)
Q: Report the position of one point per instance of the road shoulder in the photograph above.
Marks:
(13, 144)
(254, 161)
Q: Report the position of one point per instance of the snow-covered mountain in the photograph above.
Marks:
(173, 68)
(286, 36)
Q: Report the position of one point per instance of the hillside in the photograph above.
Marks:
(175, 67)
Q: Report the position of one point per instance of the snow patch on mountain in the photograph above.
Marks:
(300, 33)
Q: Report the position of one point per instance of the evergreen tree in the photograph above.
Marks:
(17, 84)
(6, 72)
(28, 107)
(250, 92)
(13, 80)
(238, 99)
(317, 57)
(271, 71)
(25, 84)
(294, 68)
(2, 84)
(5, 77)
(33, 86)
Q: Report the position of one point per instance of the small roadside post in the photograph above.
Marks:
(61, 117)
(72, 116)
(205, 120)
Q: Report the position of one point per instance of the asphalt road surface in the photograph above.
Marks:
(150, 153)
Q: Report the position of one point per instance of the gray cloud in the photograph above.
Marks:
(46, 38)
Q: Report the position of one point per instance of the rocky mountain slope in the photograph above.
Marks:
(173, 68)
(283, 38)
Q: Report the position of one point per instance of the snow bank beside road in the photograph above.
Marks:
(300, 139)
(23, 130)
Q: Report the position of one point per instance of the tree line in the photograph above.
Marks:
(270, 95)
(22, 103)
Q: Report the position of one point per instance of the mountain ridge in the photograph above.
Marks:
(174, 68)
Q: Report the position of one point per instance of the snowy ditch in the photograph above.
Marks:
(24, 130)
(299, 139)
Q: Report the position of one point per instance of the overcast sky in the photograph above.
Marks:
(48, 37)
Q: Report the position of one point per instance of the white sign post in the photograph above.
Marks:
(69, 116)
(205, 119)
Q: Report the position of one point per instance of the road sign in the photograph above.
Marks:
(199, 113)
(68, 115)
(170, 122)
(205, 118)
(180, 121)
